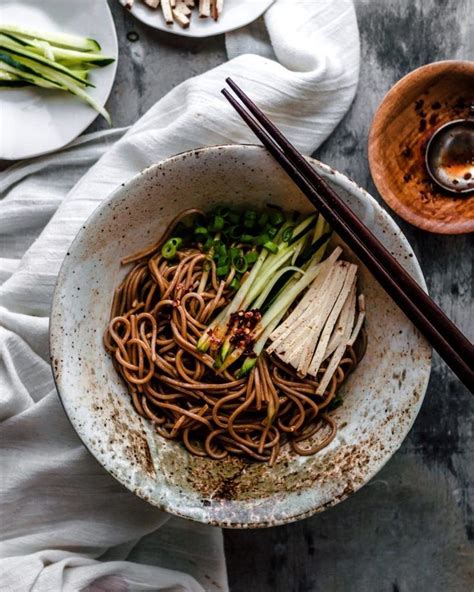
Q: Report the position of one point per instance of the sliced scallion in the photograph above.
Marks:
(271, 246)
(240, 264)
(171, 246)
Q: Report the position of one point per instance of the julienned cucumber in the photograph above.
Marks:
(50, 60)
(7, 79)
(13, 47)
(66, 82)
(57, 39)
(70, 56)
(11, 66)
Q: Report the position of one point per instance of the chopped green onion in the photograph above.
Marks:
(271, 231)
(222, 270)
(250, 217)
(246, 238)
(262, 239)
(263, 219)
(168, 250)
(218, 223)
(234, 284)
(221, 249)
(271, 246)
(234, 252)
(251, 257)
(287, 234)
(276, 217)
(240, 264)
(201, 232)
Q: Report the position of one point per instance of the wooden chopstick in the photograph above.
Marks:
(444, 336)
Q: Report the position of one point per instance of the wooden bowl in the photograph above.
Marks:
(410, 113)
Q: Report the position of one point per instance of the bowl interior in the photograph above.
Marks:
(382, 396)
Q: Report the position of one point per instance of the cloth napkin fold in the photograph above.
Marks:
(65, 523)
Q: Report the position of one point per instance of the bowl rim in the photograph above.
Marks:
(174, 508)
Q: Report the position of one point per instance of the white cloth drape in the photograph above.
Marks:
(66, 524)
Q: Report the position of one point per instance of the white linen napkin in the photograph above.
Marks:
(65, 523)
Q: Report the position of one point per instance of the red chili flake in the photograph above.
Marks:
(242, 325)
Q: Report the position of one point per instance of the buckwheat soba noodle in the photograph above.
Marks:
(234, 332)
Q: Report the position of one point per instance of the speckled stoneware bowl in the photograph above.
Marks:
(382, 397)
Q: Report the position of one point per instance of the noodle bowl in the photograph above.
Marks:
(381, 397)
(159, 313)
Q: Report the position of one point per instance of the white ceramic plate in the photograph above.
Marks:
(237, 13)
(381, 397)
(34, 121)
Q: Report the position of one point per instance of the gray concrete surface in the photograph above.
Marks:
(412, 528)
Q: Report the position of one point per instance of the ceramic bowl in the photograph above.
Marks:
(381, 398)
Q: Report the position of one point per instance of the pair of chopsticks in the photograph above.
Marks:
(456, 350)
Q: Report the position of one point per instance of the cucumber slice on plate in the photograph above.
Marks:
(53, 53)
(11, 80)
(59, 39)
(9, 65)
(65, 81)
(20, 51)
